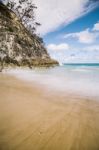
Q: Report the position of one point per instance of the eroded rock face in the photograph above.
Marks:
(17, 45)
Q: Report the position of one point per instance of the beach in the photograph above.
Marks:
(49, 75)
(35, 118)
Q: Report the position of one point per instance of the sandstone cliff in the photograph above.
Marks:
(17, 45)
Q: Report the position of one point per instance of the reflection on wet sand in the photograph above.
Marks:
(32, 119)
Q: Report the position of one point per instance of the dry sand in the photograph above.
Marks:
(31, 118)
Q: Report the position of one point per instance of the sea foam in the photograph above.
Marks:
(81, 81)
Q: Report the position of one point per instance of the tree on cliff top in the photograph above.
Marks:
(25, 10)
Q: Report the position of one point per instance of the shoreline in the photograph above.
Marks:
(33, 118)
(54, 84)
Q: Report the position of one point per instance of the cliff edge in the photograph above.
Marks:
(18, 46)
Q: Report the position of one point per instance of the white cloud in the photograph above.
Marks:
(96, 27)
(86, 54)
(91, 48)
(58, 47)
(76, 54)
(84, 36)
(53, 13)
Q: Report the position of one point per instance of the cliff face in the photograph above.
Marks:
(17, 45)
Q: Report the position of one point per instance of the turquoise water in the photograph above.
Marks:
(82, 64)
(81, 79)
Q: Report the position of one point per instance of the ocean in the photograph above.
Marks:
(79, 79)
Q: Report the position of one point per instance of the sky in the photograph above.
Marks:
(70, 29)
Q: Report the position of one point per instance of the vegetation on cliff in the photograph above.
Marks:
(25, 11)
(18, 46)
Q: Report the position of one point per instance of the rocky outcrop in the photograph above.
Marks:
(17, 45)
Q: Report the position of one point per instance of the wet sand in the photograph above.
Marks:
(32, 118)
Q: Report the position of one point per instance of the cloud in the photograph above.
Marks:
(91, 48)
(75, 54)
(58, 47)
(54, 13)
(85, 36)
(58, 51)
(85, 54)
(82, 56)
(96, 27)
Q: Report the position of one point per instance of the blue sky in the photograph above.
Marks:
(76, 51)
(70, 29)
(77, 25)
